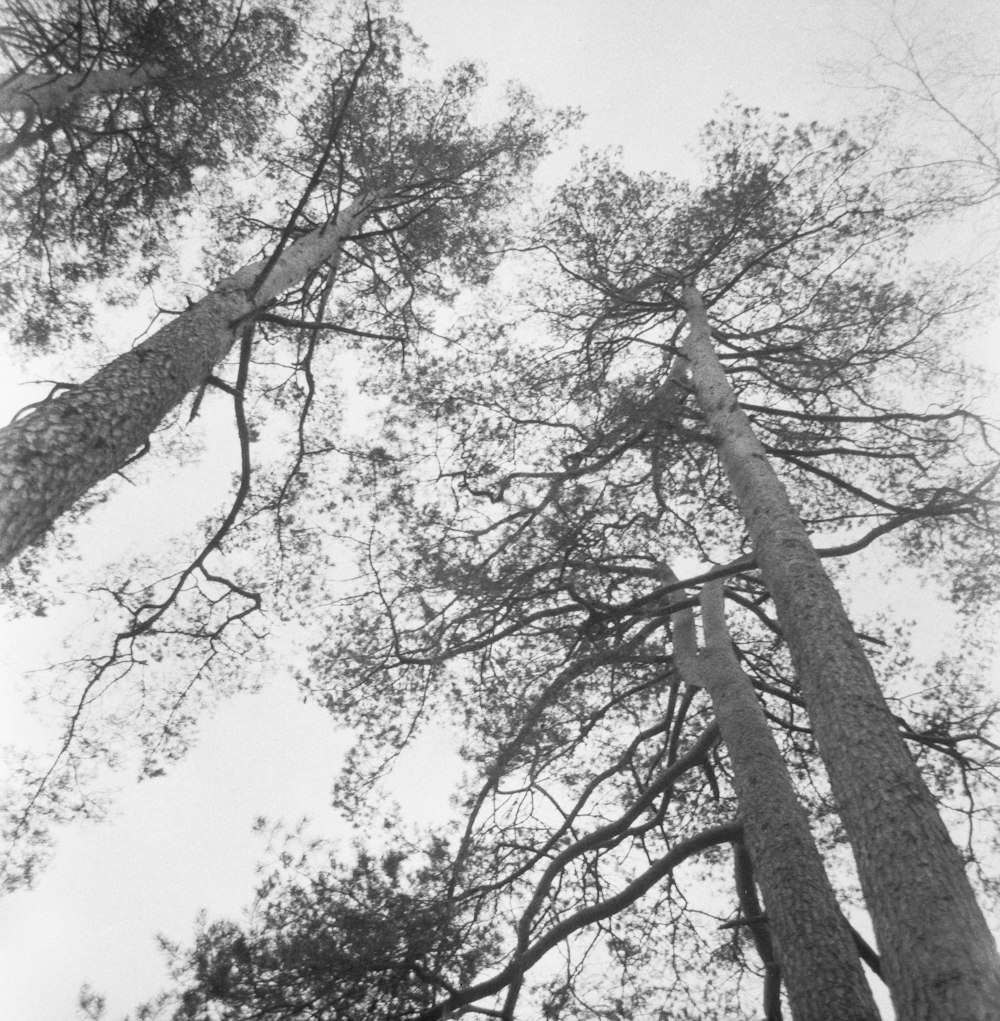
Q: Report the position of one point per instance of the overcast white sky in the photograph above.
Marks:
(648, 73)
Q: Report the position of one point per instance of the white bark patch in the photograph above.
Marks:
(302, 257)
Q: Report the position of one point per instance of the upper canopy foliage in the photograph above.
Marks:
(109, 111)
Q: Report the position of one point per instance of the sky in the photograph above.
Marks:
(648, 74)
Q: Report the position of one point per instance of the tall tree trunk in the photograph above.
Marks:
(56, 453)
(819, 962)
(938, 955)
(46, 94)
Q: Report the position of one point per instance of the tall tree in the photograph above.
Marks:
(406, 169)
(818, 958)
(909, 868)
(879, 792)
(525, 544)
(399, 195)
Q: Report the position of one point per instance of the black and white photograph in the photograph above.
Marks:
(499, 510)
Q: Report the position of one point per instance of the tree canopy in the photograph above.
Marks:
(112, 110)
(540, 463)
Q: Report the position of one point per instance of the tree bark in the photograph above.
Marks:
(939, 957)
(823, 975)
(56, 453)
(47, 94)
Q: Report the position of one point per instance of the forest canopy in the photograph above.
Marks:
(575, 481)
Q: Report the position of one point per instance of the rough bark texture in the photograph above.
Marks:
(819, 963)
(57, 452)
(45, 94)
(938, 955)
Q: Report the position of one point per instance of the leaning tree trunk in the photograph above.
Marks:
(46, 94)
(53, 98)
(939, 957)
(819, 962)
(57, 452)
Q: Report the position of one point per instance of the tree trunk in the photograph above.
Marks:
(56, 453)
(819, 962)
(46, 94)
(938, 955)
